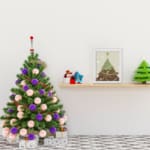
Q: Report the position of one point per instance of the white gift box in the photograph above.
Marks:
(13, 141)
(55, 142)
(60, 134)
(28, 143)
(61, 139)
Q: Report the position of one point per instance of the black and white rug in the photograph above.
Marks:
(101, 142)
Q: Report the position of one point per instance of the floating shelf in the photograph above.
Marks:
(107, 85)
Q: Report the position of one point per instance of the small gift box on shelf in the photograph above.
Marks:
(30, 144)
(60, 139)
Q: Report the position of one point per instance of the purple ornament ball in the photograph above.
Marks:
(25, 88)
(34, 81)
(39, 117)
(52, 130)
(56, 116)
(32, 107)
(18, 81)
(31, 136)
(43, 74)
(14, 130)
(24, 71)
(49, 94)
(42, 91)
(10, 110)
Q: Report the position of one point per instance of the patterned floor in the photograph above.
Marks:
(103, 142)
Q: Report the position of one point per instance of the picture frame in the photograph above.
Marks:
(107, 65)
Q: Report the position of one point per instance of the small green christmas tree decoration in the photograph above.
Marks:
(107, 72)
(142, 73)
(34, 108)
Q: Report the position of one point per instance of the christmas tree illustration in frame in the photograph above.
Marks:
(107, 65)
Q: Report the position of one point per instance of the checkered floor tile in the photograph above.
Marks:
(101, 142)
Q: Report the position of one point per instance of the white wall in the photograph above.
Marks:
(65, 31)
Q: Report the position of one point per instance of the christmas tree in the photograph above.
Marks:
(107, 72)
(142, 74)
(34, 108)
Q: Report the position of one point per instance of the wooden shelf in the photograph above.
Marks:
(107, 85)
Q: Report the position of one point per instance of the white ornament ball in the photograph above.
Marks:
(31, 124)
(23, 132)
(20, 114)
(43, 107)
(55, 99)
(20, 107)
(18, 98)
(42, 133)
(37, 100)
(48, 118)
(23, 83)
(61, 121)
(5, 131)
(35, 71)
(12, 121)
(30, 92)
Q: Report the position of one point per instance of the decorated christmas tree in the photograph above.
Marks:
(107, 72)
(142, 73)
(33, 108)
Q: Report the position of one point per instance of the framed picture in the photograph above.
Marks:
(107, 65)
